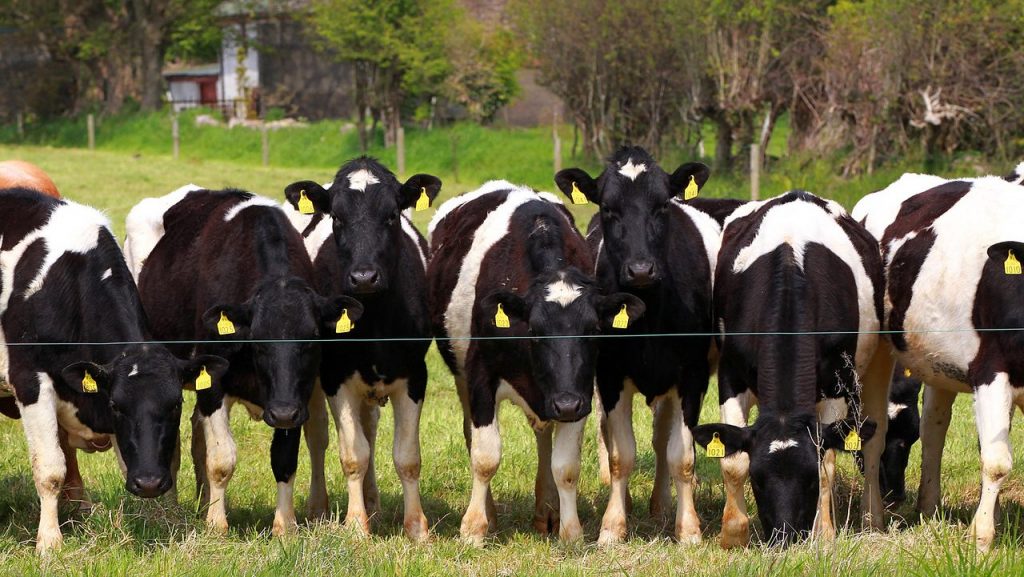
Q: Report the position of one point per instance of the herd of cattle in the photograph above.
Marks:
(330, 301)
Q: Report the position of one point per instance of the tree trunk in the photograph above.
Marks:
(723, 144)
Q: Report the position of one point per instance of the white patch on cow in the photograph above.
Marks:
(317, 237)
(710, 233)
(565, 467)
(459, 313)
(777, 446)
(734, 410)
(743, 210)
(39, 420)
(1018, 171)
(506, 392)
(254, 201)
(562, 292)
(144, 226)
(896, 244)
(552, 198)
(895, 409)
(360, 179)
(632, 171)
(107, 274)
(454, 203)
(67, 416)
(410, 231)
(134, 371)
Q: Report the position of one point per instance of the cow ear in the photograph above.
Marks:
(86, 377)
(735, 439)
(835, 435)
(611, 313)
(1000, 252)
(680, 179)
(228, 321)
(577, 179)
(215, 366)
(417, 186)
(318, 196)
(332, 309)
(512, 306)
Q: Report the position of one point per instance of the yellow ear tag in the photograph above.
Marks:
(1012, 265)
(423, 202)
(345, 324)
(621, 320)
(501, 319)
(852, 442)
(691, 189)
(716, 448)
(305, 205)
(906, 373)
(577, 195)
(89, 383)
(204, 380)
(224, 325)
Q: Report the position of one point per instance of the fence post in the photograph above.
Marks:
(21, 125)
(557, 142)
(90, 124)
(755, 171)
(400, 150)
(175, 139)
(265, 142)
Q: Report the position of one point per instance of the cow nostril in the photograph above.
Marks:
(283, 416)
(147, 486)
(568, 406)
(640, 270)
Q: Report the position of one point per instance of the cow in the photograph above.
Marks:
(951, 267)
(227, 265)
(65, 291)
(648, 243)
(508, 261)
(363, 245)
(718, 208)
(798, 291)
(21, 174)
(903, 432)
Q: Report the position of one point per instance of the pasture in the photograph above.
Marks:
(124, 535)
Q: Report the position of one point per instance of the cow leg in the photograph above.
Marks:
(735, 469)
(406, 454)
(875, 402)
(936, 414)
(664, 427)
(565, 468)
(346, 406)
(484, 456)
(462, 389)
(602, 446)
(39, 420)
(680, 461)
(545, 510)
(824, 526)
(993, 403)
(622, 455)
(316, 432)
(220, 464)
(199, 459)
(74, 487)
(369, 416)
(284, 461)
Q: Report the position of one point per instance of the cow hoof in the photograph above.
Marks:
(734, 540)
(360, 525)
(416, 529)
(474, 529)
(571, 532)
(546, 522)
(317, 510)
(217, 526)
(612, 534)
(48, 542)
(688, 535)
(283, 525)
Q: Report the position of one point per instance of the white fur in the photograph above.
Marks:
(552, 198)
(454, 203)
(710, 233)
(895, 409)
(254, 201)
(632, 171)
(410, 231)
(743, 210)
(71, 228)
(144, 226)
(565, 467)
(776, 446)
(879, 209)
(107, 274)
(562, 292)
(360, 179)
(134, 371)
(317, 237)
(39, 421)
(832, 410)
(1019, 171)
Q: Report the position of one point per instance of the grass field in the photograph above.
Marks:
(132, 537)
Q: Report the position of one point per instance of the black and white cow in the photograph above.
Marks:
(719, 208)
(63, 280)
(648, 243)
(361, 244)
(232, 255)
(946, 252)
(903, 432)
(507, 252)
(800, 282)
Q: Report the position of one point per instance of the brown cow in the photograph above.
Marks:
(18, 173)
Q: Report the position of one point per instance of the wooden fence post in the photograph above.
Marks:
(21, 125)
(175, 139)
(755, 171)
(400, 151)
(90, 124)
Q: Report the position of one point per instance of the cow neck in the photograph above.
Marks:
(117, 315)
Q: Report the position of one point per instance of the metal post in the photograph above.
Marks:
(175, 139)
(90, 123)
(755, 171)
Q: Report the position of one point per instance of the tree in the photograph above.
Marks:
(483, 68)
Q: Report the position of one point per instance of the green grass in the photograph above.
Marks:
(133, 537)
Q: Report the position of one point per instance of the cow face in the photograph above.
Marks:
(634, 195)
(903, 432)
(143, 386)
(365, 203)
(561, 304)
(785, 453)
(285, 318)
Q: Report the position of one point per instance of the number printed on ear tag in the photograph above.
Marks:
(621, 320)
(89, 383)
(204, 380)
(224, 325)
(423, 202)
(345, 324)
(1012, 265)
(852, 442)
(716, 448)
(691, 189)
(501, 319)
(577, 195)
(305, 205)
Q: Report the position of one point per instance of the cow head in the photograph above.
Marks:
(634, 195)
(785, 454)
(903, 432)
(286, 318)
(366, 203)
(560, 304)
(143, 387)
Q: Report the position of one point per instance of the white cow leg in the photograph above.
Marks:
(220, 464)
(735, 470)
(406, 452)
(824, 525)
(485, 456)
(936, 414)
(316, 432)
(39, 421)
(681, 466)
(621, 458)
(346, 406)
(875, 403)
(545, 510)
(565, 468)
(369, 416)
(462, 388)
(993, 403)
(665, 415)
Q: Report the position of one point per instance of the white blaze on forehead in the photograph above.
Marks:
(781, 445)
(106, 274)
(563, 292)
(360, 179)
(632, 171)
(895, 409)
(134, 371)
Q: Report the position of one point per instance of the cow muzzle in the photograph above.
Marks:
(641, 274)
(284, 415)
(366, 280)
(568, 407)
(148, 485)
